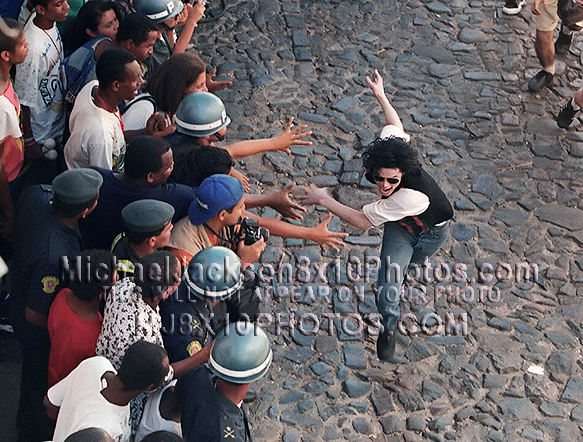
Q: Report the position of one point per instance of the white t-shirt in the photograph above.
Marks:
(83, 406)
(9, 124)
(391, 131)
(96, 135)
(400, 204)
(152, 420)
(40, 82)
(136, 117)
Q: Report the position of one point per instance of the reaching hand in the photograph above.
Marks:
(377, 85)
(283, 204)
(244, 180)
(212, 85)
(313, 195)
(183, 15)
(291, 137)
(324, 237)
(196, 12)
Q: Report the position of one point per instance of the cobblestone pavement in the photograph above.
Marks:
(456, 72)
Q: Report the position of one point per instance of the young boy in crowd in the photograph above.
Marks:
(211, 220)
(95, 395)
(13, 50)
(74, 321)
(161, 413)
(136, 34)
(217, 209)
(40, 79)
(97, 132)
(167, 15)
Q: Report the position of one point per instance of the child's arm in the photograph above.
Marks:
(195, 13)
(319, 234)
(244, 180)
(212, 85)
(200, 357)
(379, 92)
(278, 200)
(281, 142)
(320, 196)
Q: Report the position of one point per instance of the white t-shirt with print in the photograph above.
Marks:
(40, 82)
(96, 137)
(83, 406)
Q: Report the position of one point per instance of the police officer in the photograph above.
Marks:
(211, 395)
(147, 227)
(201, 120)
(45, 231)
(188, 318)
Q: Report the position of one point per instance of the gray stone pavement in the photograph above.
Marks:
(456, 72)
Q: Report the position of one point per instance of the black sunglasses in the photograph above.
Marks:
(380, 179)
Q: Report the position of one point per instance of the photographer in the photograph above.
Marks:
(215, 213)
(212, 220)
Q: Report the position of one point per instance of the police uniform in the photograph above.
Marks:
(41, 240)
(187, 324)
(146, 218)
(125, 255)
(207, 415)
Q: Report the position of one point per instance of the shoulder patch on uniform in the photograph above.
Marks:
(193, 347)
(49, 283)
(229, 433)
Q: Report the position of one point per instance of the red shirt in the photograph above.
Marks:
(73, 339)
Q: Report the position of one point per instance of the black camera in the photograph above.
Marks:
(253, 231)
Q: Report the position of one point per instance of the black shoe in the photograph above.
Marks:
(513, 7)
(540, 80)
(386, 345)
(566, 115)
(563, 42)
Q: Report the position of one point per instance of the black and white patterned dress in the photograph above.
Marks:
(127, 319)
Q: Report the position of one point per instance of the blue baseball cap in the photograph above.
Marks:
(217, 192)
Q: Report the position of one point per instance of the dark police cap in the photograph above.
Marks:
(77, 186)
(147, 217)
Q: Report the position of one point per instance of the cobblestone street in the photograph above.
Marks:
(456, 72)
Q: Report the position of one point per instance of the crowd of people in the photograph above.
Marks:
(126, 231)
(120, 337)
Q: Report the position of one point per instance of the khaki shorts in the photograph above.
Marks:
(548, 18)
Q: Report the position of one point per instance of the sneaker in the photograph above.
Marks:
(513, 7)
(540, 80)
(566, 115)
(563, 42)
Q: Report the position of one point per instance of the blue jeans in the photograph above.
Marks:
(401, 248)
